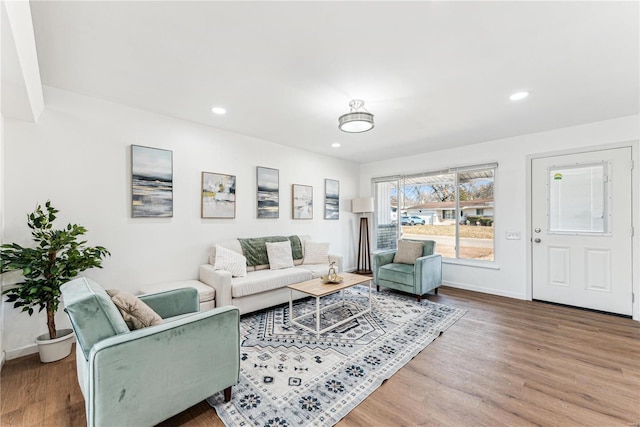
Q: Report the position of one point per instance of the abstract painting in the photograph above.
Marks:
(152, 182)
(331, 199)
(302, 200)
(268, 181)
(218, 195)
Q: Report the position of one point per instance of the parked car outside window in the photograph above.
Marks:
(412, 220)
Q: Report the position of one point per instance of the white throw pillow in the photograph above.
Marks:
(279, 254)
(316, 253)
(231, 261)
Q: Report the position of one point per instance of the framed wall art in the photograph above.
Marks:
(331, 199)
(268, 192)
(302, 201)
(218, 195)
(152, 182)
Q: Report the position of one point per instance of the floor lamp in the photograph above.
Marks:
(363, 206)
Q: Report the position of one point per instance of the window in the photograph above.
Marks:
(457, 207)
(386, 213)
(577, 199)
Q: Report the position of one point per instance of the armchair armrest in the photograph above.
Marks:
(428, 273)
(147, 375)
(380, 259)
(173, 303)
(220, 280)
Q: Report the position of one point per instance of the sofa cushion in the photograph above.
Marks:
(279, 254)
(234, 245)
(266, 280)
(398, 273)
(256, 252)
(231, 244)
(317, 270)
(408, 251)
(233, 262)
(205, 292)
(303, 238)
(91, 311)
(316, 253)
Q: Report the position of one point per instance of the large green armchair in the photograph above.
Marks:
(416, 279)
(142, 377)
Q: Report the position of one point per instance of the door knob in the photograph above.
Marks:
(537, 240)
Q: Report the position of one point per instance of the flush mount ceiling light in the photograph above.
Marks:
(357, 120)
(219, 110)
(519, 95)
(336, 145)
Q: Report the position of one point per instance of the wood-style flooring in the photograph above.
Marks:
(505, 363)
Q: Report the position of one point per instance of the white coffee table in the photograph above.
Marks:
(317, 289)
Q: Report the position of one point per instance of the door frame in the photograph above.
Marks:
(635, 214)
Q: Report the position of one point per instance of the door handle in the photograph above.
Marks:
(537, 240)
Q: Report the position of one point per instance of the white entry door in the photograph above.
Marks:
(582, 229)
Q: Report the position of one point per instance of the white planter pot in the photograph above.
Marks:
(55, 349)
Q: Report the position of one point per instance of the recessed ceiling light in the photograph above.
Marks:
(218, 110)
(519, 95)
(336, 145)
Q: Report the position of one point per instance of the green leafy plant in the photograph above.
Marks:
(57, 257)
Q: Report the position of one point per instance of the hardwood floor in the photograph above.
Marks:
(506, 362)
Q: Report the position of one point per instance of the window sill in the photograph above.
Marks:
(490, 265)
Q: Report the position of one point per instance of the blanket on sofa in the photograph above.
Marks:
(255, 249)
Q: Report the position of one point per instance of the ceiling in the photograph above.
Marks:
(434, 74)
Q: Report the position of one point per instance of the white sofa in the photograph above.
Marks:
(206, 294)
(261, 287)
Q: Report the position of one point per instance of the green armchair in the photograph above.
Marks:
(417, 279)
(142, 377)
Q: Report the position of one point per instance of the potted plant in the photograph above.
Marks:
(57, 257)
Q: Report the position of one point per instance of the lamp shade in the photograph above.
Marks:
(362, 205)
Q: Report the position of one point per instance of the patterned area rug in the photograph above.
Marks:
(290, 378)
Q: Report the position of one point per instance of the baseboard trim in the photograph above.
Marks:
(2, 358)
(490, 291)
(22, 351)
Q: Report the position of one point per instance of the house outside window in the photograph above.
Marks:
(436, 198)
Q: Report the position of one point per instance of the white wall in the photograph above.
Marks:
(509, 277)
(78, 156)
